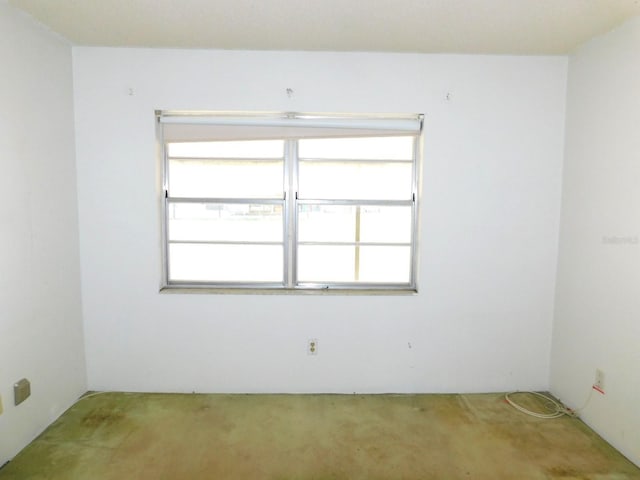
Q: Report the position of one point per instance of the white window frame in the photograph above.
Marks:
(361, 125)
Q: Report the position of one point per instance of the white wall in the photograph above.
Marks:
(598, 293)
(40, 324)
(489, 227)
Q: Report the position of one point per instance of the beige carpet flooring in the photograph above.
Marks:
(303, 437)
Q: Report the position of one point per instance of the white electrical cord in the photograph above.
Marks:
(556, 408)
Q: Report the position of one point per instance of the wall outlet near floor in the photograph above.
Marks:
(21, 391)
(598, 384)
(312, 346)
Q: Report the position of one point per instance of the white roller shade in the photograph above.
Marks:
(195, 127)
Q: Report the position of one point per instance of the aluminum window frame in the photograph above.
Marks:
(290, 204)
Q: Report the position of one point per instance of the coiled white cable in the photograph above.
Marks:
(556, 408)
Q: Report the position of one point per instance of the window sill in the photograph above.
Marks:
(171, 290)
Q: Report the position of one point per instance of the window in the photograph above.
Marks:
(289, 201)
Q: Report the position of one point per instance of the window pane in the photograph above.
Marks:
(385, 264)
(225, 222)
(326, 263)
(326, 223)
(225, 178)
(385, 224)
(336, 264)
(355, 180)
(339, 223)
(225, 263)
(366, 148)
(239, 149)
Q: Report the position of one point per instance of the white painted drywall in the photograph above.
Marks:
(598, 292)
(489, 227)
(40, 325)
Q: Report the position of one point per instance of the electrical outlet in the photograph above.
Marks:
(598, 384)
(21, 391)
(312, 346)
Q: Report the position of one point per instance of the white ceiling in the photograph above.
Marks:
(430, 26)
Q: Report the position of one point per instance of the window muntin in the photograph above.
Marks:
(290, 212)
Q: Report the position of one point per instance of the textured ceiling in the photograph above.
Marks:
(431, 26)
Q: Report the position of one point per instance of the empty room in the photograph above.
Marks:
(444, 199)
